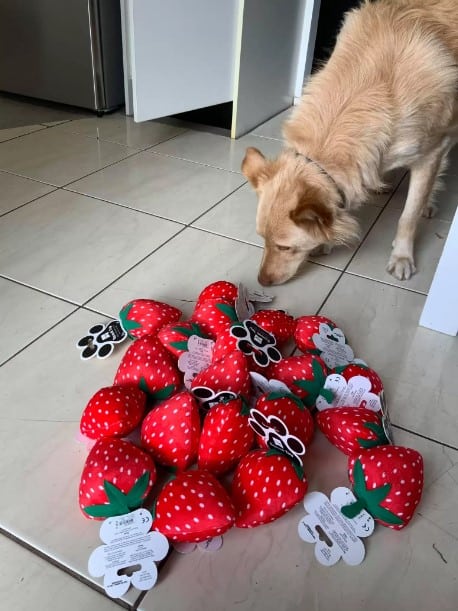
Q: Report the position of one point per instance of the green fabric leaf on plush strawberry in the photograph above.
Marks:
(387, 482)
(116, 478)
(142, 317)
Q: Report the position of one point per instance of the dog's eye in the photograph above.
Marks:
(283, 247)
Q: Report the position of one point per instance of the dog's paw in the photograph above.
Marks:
(322, 249)
(429, 211)
(400, 267)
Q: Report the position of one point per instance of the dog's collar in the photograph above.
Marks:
(343, 199)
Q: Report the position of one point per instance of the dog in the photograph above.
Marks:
(385, 99)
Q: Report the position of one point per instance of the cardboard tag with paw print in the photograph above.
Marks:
(334, 535)
(332, 345)
(129, 554)
(354, 393)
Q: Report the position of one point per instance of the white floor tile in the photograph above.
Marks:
(15, 132)
(418, 366)
(29, 582)
(172, 188)
(25, 314)
(216, 151)
(178, 271)
(273, 127)
(72, 246)
(372, 258)
(123, 130)
(47, 387)
(17, 191)
(57, 157)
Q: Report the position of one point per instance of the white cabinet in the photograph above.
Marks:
(181, 55)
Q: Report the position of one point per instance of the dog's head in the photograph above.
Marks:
(298, 210)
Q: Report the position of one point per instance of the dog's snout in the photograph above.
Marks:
(264, 279)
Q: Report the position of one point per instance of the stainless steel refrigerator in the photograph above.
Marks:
(67, 51)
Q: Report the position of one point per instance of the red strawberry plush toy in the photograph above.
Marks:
(116, 477)
(306, 328)
(266, 485)
(304, 375)
(221, 289)
(142, 317)
(352, 429)
(171, 431)
(353, 369)
(148, 364)
(214, 316)
(387, 482)
(226, 437)
(193, 507)
(114, 411)
(230, 374)
(174, 337)
(277, 322)
(290, 410)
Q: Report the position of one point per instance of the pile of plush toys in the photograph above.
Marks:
(218, 408)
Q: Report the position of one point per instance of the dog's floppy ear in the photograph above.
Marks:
(255, 166)
(315, 217)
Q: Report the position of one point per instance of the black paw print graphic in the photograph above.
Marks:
(255, 341)
(101, 340)
(275, 433)
(208, 398)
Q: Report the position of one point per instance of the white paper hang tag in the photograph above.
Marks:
(197, 358)
(360, 362)
(129, 554)
(261, 385)
(212, 545)
(243, 306)
(354, 393)
(259, 296)
(332, 345)
(386, 422)
(334, 535)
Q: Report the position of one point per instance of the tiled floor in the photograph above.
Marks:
(94, 212)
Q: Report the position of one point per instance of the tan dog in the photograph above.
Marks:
(387, 98)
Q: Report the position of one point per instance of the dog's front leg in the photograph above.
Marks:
(422, 178)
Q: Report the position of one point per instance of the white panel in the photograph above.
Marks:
(440, 312)
(270, 48)
(182, 54)
(307, 46)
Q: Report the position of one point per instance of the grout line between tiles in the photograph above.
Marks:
(125, 206)
(431, 439)
(34, 131)
(135, 265)
(207, 165)
(35, 339)
(66, 569)
(137, 152)
(386, 283)
(29, 202)
(214, 206)
(38, 290)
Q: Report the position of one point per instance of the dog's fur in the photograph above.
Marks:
(387, 98)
